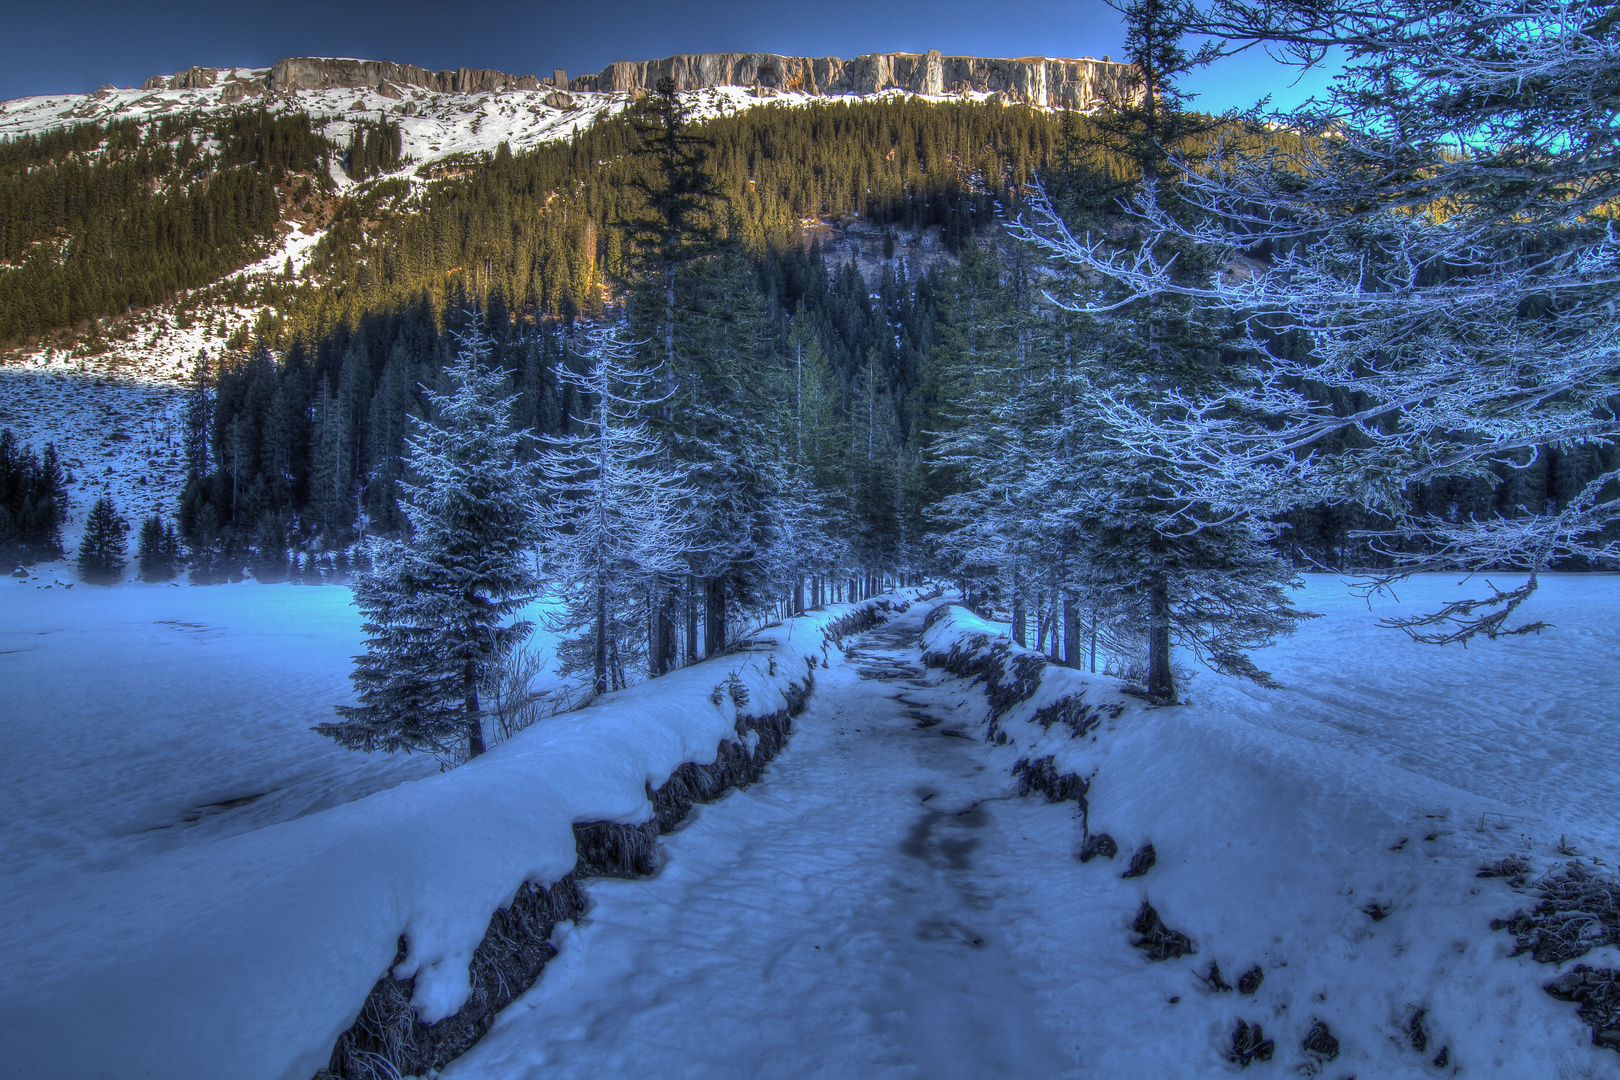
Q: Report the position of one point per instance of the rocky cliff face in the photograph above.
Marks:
(1081, 84)
(1036, 80)
(315, 73)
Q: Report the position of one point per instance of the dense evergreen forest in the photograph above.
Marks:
(97, 219)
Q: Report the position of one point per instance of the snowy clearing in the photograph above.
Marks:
(143, 718)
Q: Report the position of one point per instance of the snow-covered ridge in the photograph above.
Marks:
(433, 125)
(249, 956)
(473, 110)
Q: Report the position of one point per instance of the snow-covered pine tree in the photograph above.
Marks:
(1440, 233)
(807, 541)
(438, 603)
(102, 552)
(618, 521)
(1183, 570)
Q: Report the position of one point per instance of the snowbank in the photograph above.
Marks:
(1344, 886)
(250, 956)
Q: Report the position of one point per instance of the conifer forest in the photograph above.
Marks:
(730, 475)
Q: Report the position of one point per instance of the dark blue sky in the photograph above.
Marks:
(77, 45)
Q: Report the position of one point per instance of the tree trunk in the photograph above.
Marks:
(1161, 682)
(599, 660)
(1057, 627)
(475, 729)
(691, 620)
(1020, 616)
(663, 645)
(1071, 634)
(798, 595)
(714, 616)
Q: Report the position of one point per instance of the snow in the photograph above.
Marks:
(135, 714)
(438, 125)
(246, 953)
(1526, 722)
(882, 906)
(296, 245)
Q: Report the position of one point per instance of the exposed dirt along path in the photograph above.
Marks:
(873, 908)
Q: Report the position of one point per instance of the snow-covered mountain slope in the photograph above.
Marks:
(433, 125)
(118, 437)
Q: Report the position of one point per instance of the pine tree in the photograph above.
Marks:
(437, 603)
(158, 554)
(1433, 274)
(1175, 570)
(618, 525)
(102, 549)
(673, 230)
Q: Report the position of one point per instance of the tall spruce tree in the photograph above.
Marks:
(438, 603)
(674, 233)
(158, 552)
(102, 551)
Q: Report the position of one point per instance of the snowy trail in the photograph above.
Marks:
(873, 908)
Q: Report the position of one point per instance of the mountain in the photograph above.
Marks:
(213, 207)
(444, 113)
(1040, 81)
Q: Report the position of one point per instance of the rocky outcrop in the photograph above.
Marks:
(193, 78)
(313, 73)
(317, 73)
(1083, 83)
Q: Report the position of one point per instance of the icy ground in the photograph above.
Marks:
(882, 906)
(143, 718)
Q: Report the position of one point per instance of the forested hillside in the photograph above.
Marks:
(935, 407)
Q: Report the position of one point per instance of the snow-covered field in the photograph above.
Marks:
(881, 904)
(1531, 724)
(143, 718)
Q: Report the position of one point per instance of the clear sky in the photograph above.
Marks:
(75, 46)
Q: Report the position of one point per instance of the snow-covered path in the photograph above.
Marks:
(882, 905)
(874, 908)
